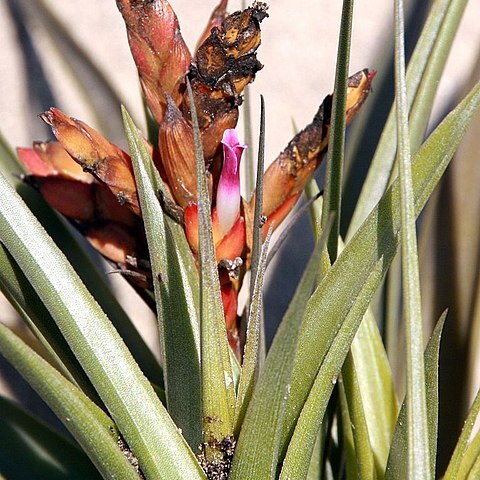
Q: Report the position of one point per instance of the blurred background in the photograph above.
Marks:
(74, 55)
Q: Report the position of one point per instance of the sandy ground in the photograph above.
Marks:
(298, 51)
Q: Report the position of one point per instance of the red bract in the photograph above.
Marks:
(91, 181)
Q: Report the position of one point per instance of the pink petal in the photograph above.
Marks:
(228, 191)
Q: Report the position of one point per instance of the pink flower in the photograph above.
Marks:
(228, 191)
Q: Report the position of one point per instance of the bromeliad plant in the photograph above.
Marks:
(170, 216)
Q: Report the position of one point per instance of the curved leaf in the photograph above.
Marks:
(345, 292)
(95, 281)
(375, 242)
(90, 426)
(376, 387)
(302, 441)
(366, 465)
(129, 397)
(176, 309)
(24, 299)
(397, 461)
(29, 446)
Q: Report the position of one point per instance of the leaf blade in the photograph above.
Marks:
(176, 310)
(127, 394)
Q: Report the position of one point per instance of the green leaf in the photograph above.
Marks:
(372, 247)
(257, 228)
(347, 441)
(363, 451)
(218, 393)
(470, 466)
(435, 36)
(93, 430)
(315, 468)
(341, 299)
(128, 395)
(303, 439)
(418, 446)
(376, 386)
(457, 461)
(335, 154)
(250, 365)
(95, 281)
(24, 299)
(29, 445)
(397, 461)
(256, 455)
(425, 95)
(176, 309)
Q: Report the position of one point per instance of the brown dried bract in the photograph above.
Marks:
(288, 174)
(225, 63)
(218, 16)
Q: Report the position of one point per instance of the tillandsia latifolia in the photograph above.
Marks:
(175, 225)
(90, 181)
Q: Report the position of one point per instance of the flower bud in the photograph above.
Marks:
(107, 162)
(159, 51)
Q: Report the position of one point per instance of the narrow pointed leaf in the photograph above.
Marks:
(95, 281)
(379, 173)
(257, 224)
(397, 461)
(29, 445)
(218, 395)
(418, 447)
(335, 153)
(462, 446)
(363, 451)
(376, 386)
(425, 95)
(256, 455)
(348, 444)
(24, 299)
(316, 466)
(128, 395)
(375, 242)
(470, 465)
(90, 426)
(250, 364)
(298, 456)
(177, 314)
(358, 271)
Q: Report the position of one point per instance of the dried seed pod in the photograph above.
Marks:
(107, 162)
(218, 16)
(159, 51)
(225, 63)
